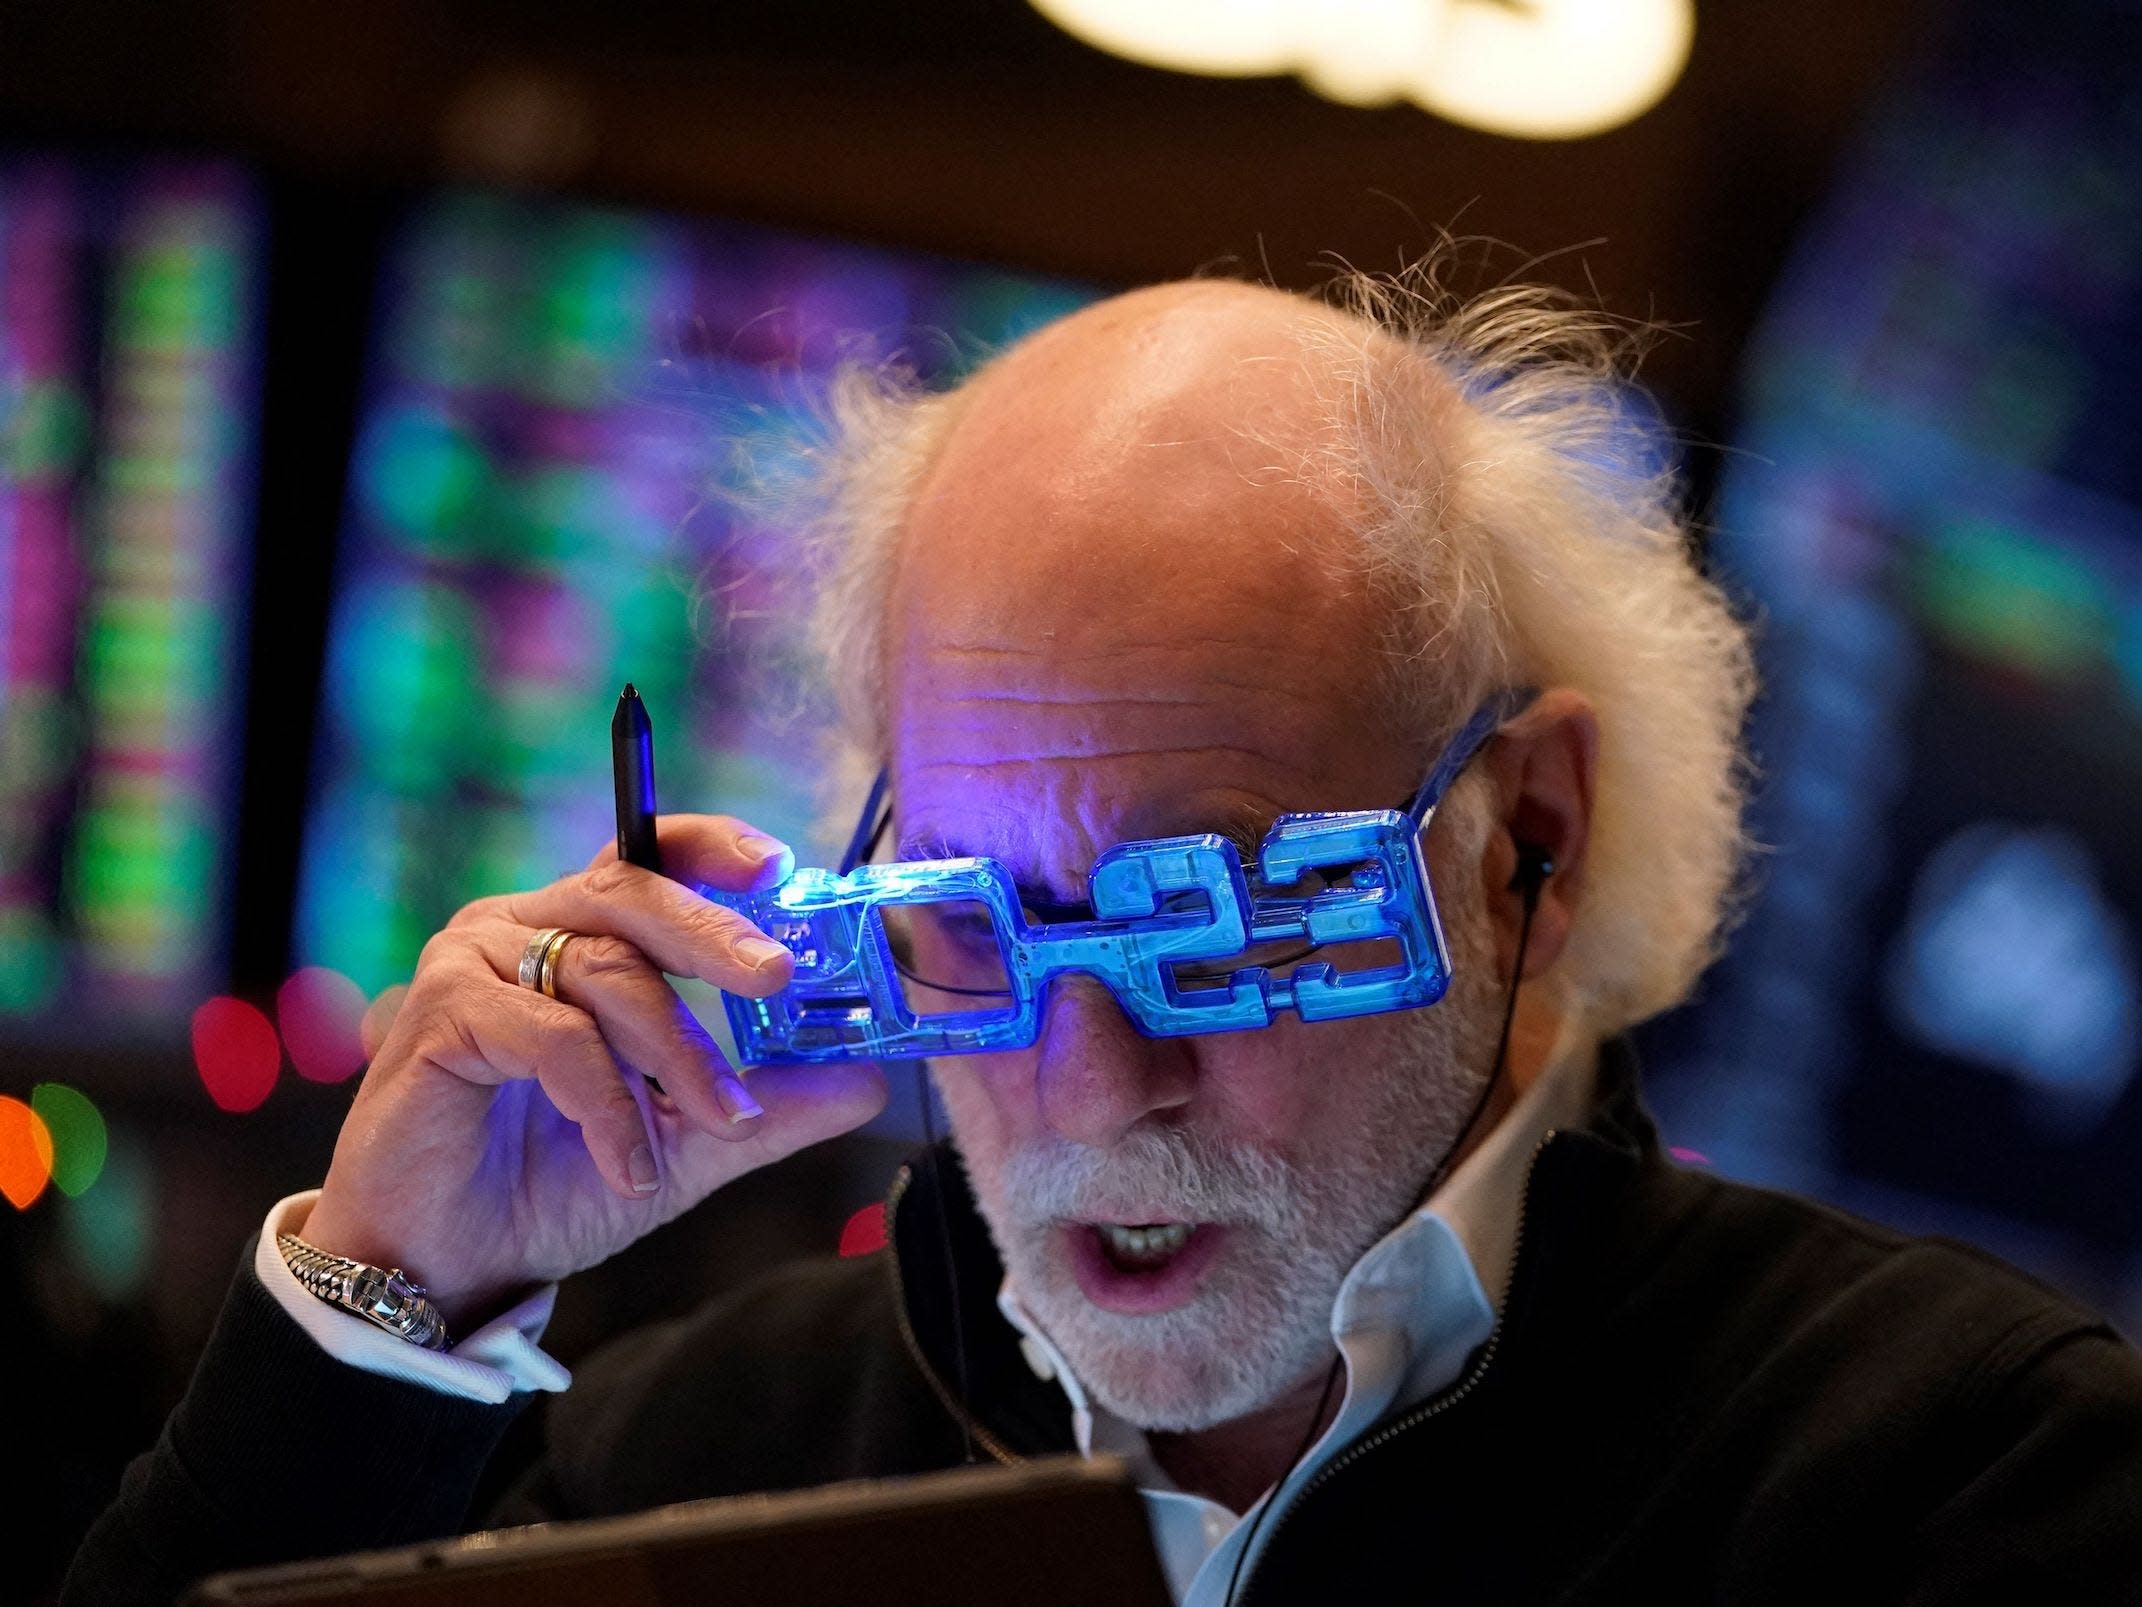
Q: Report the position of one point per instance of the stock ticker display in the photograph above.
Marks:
(570, 417)
(128, 321)
(1934, 1011)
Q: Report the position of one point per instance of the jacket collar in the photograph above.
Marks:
(946, 1271)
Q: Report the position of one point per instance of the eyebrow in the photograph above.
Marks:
(1246, 831)
(1035, 894)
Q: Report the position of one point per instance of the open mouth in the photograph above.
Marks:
(1142, 1248)
(1138, 1267)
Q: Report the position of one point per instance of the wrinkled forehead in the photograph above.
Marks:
(992, 743)
(1067, 674)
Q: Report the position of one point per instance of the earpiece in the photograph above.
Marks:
(1534, 866)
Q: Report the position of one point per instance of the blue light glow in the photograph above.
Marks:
(1183, 935)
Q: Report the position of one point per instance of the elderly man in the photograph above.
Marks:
(1402, 1299)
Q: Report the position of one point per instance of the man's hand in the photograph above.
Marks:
(501, 1138)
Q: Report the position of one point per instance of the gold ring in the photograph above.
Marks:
(548, 974)
(539, 957)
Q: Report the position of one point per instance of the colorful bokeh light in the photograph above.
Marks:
(79, 1140)
(110, 1232)
(236, 1052)
(25, 1153)
(321, 1013)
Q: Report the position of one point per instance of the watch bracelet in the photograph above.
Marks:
(383, 1296)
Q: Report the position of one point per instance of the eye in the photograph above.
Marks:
(1316, 879)
(1280, 957)
(961, 927)
(971, 928)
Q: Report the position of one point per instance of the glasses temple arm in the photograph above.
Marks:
(1489, 718)
(869, 827)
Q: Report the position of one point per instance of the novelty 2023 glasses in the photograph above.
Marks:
(938, 957)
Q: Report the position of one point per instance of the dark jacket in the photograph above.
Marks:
(1698, 1392)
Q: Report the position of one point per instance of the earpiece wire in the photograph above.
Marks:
(1530, 890)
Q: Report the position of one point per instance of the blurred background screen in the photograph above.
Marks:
(1934, 1011)
(129, 335)
(575, 427)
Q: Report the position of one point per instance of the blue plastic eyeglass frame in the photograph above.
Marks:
(1156, 904)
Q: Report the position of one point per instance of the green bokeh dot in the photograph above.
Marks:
(79, 1140)
(110, 1231)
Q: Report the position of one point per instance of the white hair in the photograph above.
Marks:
(1522, 529)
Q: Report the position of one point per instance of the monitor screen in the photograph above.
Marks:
(128, 378)
(562, 405)
(1934, 1010)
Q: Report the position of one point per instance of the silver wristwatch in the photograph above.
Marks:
(380, 1295)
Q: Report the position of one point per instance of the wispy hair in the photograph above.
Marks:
(1520, 526)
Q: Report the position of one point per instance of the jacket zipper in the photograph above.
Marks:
(951, 1402)
(1421, 1413)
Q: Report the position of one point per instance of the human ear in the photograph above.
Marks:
(1541, 766)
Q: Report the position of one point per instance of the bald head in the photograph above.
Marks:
(1178, 367)
(1160, 436)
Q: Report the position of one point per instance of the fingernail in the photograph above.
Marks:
(760, 952)
(736, 1099)
(770, 854)
(640, 1167)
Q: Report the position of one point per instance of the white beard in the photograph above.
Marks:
(1261, 1319)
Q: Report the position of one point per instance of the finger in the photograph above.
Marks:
(483, 1030)
(718, 850)
(683, 933)
(647, 1026)
(804, 1105)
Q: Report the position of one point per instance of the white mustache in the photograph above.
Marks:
(1189, 1177)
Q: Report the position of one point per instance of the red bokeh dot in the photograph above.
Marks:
(236, 1053)
(864, 1232)
(321, 1013)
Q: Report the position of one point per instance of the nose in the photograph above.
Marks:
(1097, 1075)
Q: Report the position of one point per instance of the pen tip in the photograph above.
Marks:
(630, 691)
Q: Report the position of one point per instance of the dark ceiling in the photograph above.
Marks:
(973, 126)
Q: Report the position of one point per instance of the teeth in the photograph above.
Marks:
(1154, 1243)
